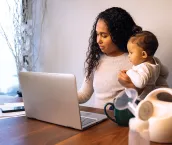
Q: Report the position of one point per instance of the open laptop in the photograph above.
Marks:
(52, 97)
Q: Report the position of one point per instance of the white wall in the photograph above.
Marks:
(68, 23)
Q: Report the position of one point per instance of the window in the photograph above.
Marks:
(19, 41)
(8, 72)
(15, 43)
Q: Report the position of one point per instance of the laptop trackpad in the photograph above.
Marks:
(87, 120)
(91, 118)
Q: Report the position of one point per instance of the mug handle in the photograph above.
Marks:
(113, 107)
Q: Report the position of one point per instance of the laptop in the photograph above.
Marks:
(52, 97)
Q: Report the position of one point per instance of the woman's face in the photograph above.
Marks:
(104, 40)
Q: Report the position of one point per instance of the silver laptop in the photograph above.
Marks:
(52, 97)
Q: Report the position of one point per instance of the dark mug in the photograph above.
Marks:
(121, 117)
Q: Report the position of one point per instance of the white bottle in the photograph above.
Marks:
(139, 132)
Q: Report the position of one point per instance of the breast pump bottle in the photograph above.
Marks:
(139, 125)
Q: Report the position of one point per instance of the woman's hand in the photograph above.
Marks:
(125, 81)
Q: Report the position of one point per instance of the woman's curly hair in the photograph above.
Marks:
(120, 25)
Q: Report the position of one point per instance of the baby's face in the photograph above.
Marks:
(135, 53)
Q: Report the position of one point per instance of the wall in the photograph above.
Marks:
(68, 23)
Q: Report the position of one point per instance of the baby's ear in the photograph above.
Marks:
(144, 54)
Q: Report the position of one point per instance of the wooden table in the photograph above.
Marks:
(24, 131)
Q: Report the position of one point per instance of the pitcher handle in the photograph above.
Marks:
(105, 111)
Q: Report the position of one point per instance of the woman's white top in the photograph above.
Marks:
(104, 81)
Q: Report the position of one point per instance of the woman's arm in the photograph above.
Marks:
(86, 90)
(125, 81)
(162, 79)
(141, 74)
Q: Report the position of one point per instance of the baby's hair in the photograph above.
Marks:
(145, 40)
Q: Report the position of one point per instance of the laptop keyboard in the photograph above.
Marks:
(86, 120)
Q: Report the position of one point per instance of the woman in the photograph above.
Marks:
(107, 56)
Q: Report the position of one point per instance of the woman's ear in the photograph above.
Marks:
(144, 54)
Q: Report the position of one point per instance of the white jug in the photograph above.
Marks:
(160, 123)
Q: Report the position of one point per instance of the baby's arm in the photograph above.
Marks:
(140, 75)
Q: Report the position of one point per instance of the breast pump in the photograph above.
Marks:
(153, 116)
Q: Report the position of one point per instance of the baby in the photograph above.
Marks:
(145, 71)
